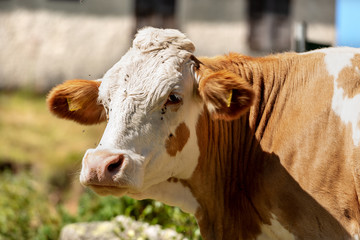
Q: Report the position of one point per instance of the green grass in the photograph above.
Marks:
(26, 212)
(37, 203)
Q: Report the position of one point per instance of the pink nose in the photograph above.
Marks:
(100, 167)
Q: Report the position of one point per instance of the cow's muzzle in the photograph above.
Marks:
(111, 172)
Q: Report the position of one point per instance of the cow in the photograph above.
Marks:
(254, 147)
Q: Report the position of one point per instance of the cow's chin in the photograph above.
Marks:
(109, 190)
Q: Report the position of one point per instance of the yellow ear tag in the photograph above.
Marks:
(73, 106)
(228, 103)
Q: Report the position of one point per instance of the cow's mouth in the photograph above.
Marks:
(109, 190)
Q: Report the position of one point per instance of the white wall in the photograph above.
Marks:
(41, 48)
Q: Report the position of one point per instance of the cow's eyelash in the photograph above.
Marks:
(173, 98)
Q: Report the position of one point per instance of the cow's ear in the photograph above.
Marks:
(77, 100)
(225, 94)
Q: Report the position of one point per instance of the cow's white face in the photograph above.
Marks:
(152, 99)
(151, 103)
(152, 107)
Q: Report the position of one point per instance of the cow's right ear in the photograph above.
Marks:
(77, 100)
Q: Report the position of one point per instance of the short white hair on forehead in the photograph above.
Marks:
(151, 39)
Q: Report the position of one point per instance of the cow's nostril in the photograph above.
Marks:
(115, 165)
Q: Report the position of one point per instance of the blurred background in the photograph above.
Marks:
(44, 42)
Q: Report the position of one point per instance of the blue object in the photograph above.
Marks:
(348, 23)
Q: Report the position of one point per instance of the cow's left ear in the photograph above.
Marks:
(77, 100)
(226, 95)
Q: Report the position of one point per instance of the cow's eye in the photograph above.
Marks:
(173, 99)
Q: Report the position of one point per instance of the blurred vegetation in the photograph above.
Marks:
(40, 157)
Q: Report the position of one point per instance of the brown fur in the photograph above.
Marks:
(216, 88)
(175, 143)
(350, 78)
(83, 95)
(225, 180)
(284, 157)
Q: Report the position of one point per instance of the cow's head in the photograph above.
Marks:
(152, 99)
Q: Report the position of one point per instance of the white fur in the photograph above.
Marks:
(171, 193)
(274, 231)
(134, 91)
(348, 109)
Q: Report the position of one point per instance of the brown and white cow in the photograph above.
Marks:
(255, 148)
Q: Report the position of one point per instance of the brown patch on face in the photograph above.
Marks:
(175, 143)
(349, 78)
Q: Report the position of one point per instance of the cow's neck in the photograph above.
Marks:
(228, 178)
(265, 74)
